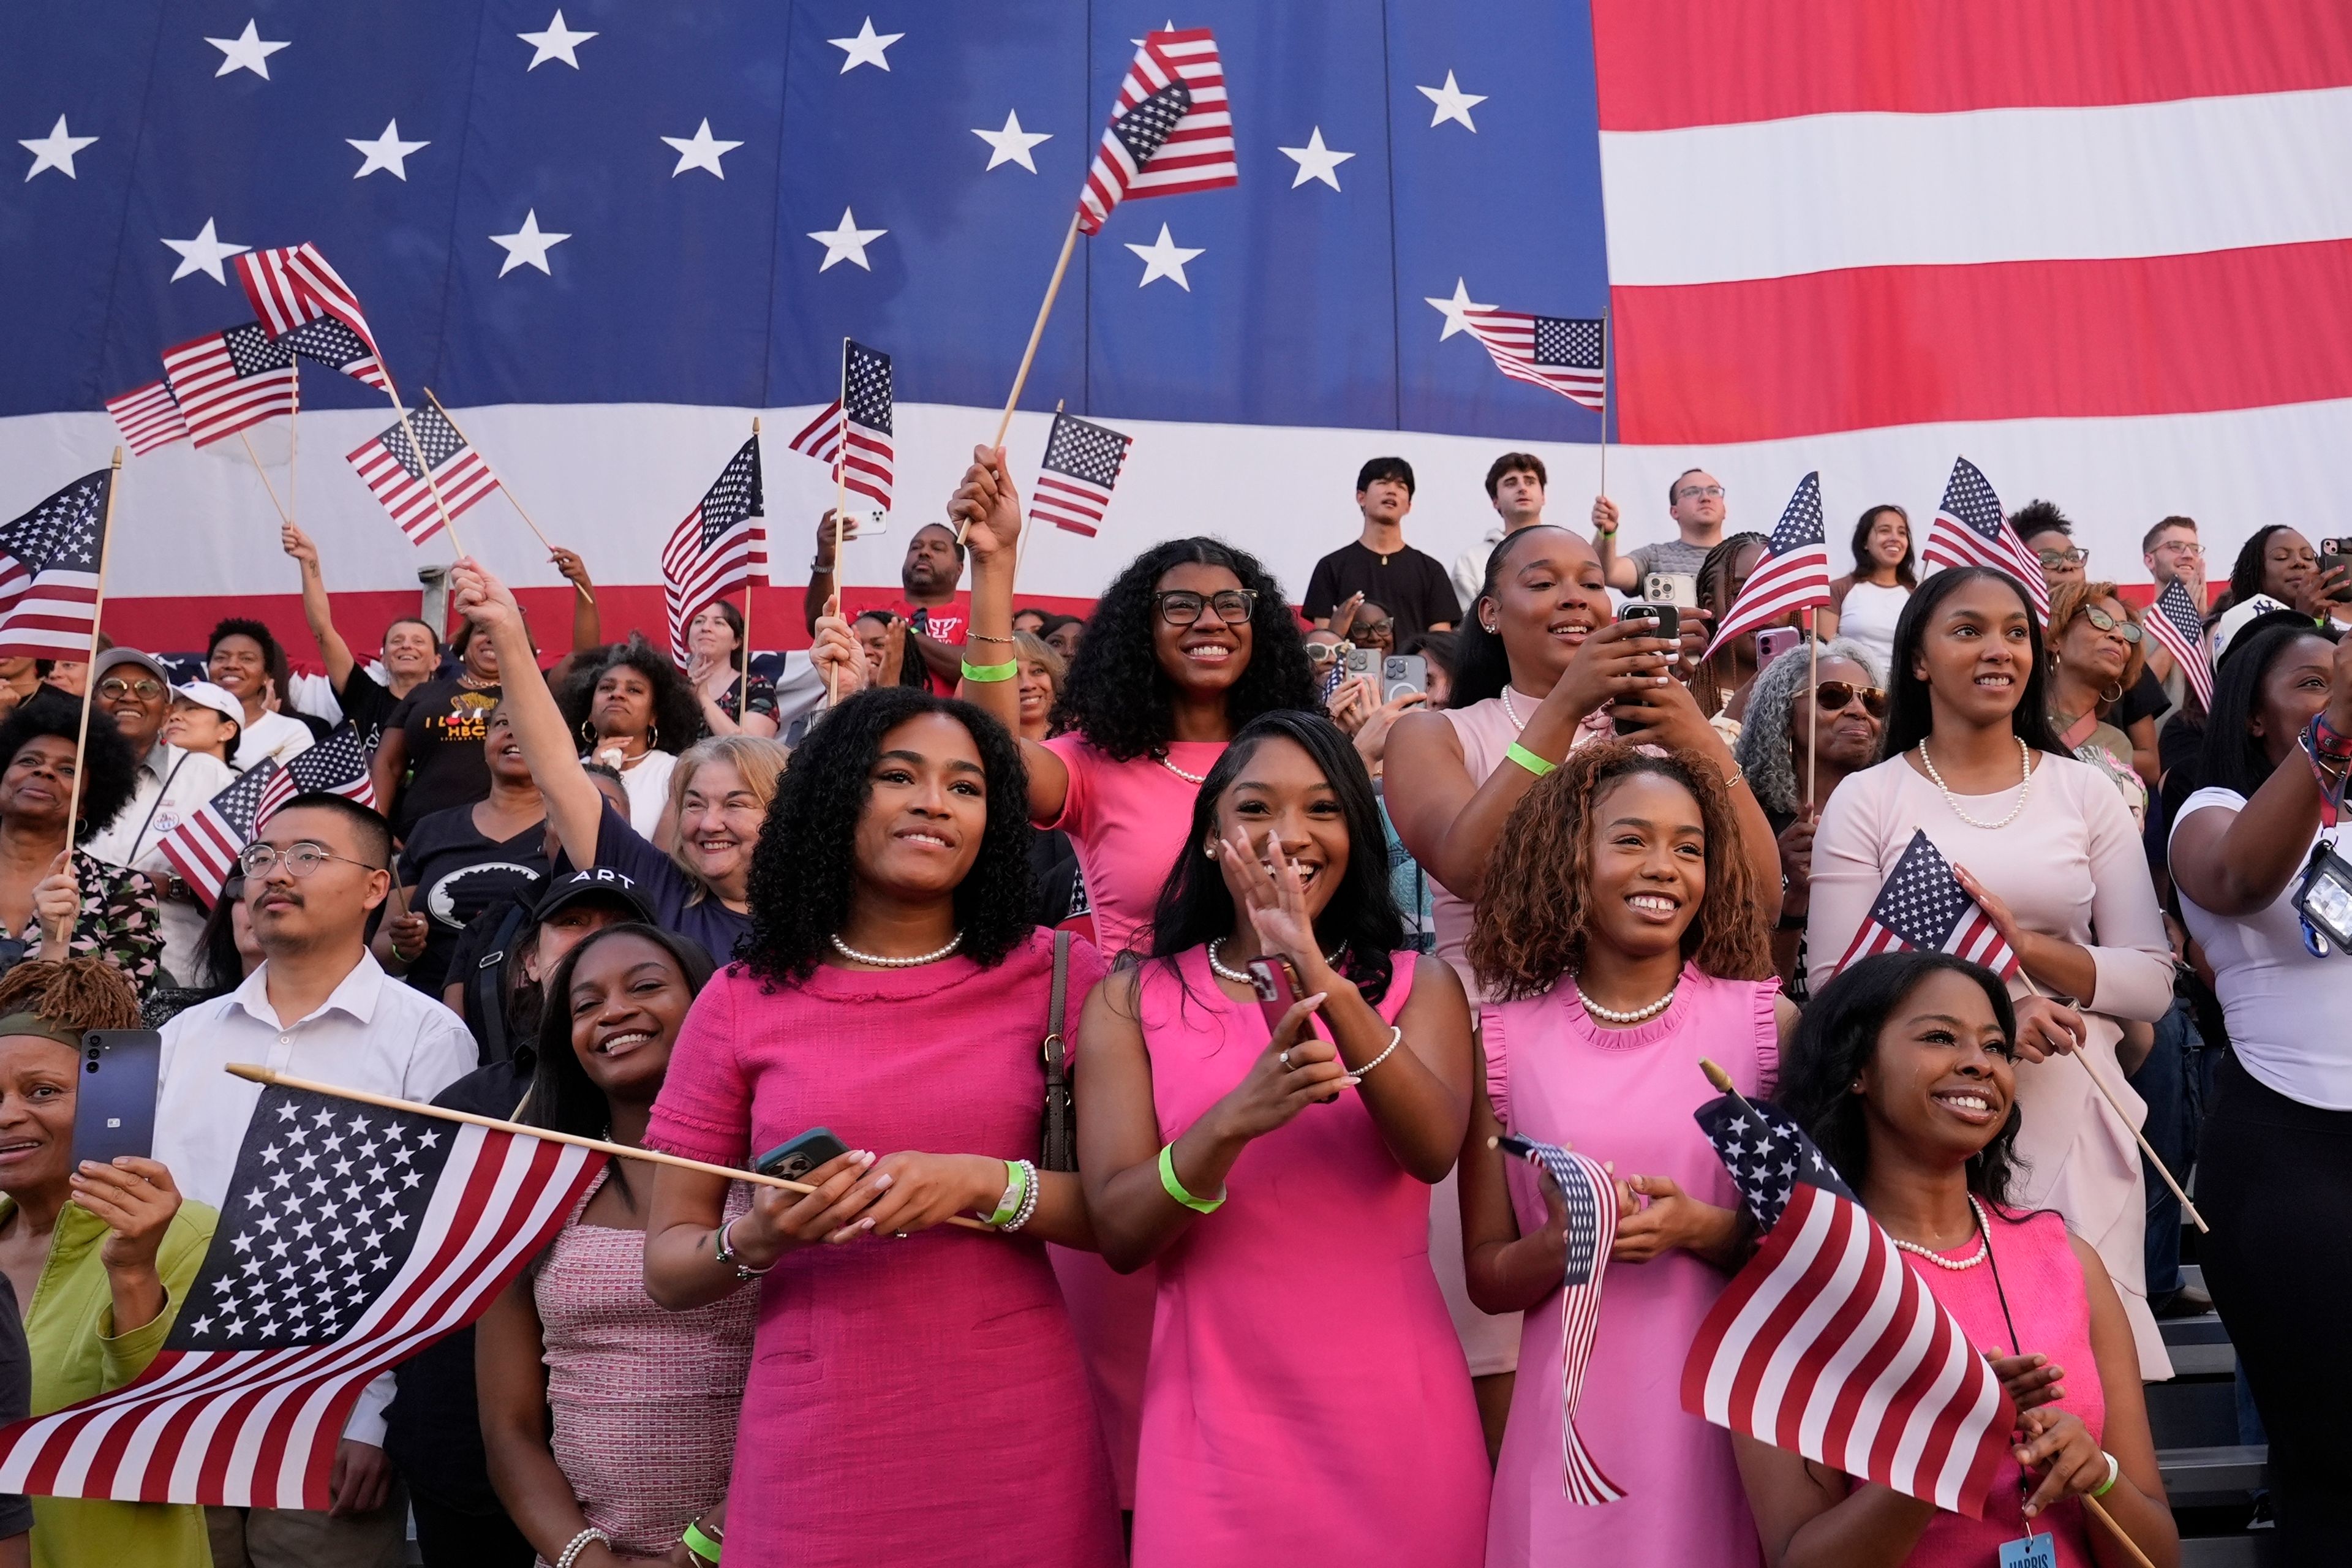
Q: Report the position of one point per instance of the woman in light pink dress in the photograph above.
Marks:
(2047, 846)
(1305, 1400)
(1539, 664)
(1620, 939)
(1903, 1074)
(1190, 642)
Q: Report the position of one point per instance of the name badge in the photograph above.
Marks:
(2034, 1552)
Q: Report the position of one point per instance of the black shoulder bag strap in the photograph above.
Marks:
(488, 984)
(1058, 1144)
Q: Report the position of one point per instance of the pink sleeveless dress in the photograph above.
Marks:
(1306, 1401)
(1625, 1096)
(643, 1401)
(2038, 1272)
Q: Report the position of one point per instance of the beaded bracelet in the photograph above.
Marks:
(988, 672)
(579, 1544)
(1176, 1189)
(1528, 760)
(1029, 1188)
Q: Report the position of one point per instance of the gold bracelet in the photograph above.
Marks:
(986, 637)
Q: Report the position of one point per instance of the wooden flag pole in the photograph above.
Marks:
(2099, 1512)
(283, 515)
(743, 693)
(293, 446)
(840, 510)
(262, 1075)
(1604, 400)
(504, 489)
(62, 932)
(1036, 333)
(1813, 730)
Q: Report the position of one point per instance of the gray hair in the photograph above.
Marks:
(1765, 751)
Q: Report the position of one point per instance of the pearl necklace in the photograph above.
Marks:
(879, 961)
(2024, 786)
(1638, 1016)
(1984, 1244)
(1241, 976)
(1510, 709)
(1195, 780)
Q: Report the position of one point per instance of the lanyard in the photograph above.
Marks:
(153, 807)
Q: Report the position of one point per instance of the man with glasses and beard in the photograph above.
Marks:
(317, 1006)
(935, 613)
(1696, 501)
(172, 786)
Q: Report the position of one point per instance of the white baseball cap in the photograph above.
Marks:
(204, 694)
(2235, 618)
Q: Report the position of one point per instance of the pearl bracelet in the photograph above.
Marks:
(1396, 1038)
(579, 1544)
(1028, 1198)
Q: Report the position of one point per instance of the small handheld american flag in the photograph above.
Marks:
(387, 464)
(331, 342)
(354, 1237)
(337, 765)
(1969, 530)
(148, 416)
(1827, 1343)
(227, 381)
(2181, 630)
(49, 572)
(291, 284)
(1171, 130)
(1081, 467)
(1560, 354)
(1921, 907)
(1793, 572)
(1591, 1199)
(718, 548)
(858, 424)
(204, 849)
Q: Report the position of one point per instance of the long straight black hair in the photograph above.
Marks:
(1903, 572)
(1195, 906)
(1482, 667)
(1910, 716)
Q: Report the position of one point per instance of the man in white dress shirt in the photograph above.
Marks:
(173, 786)
(318, 1007)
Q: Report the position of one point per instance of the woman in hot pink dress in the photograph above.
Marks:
(1619, 941)
(1307, 1401)
(1903, 1072)
(1189, 643)
(916, 1394)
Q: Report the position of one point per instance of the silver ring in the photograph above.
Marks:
(900, 1234)
(1285, 1060)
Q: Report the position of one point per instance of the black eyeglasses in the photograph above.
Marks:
(1182, 606)
(1832, 696)
(115, 686)
(2107, 622)
(1376, 628)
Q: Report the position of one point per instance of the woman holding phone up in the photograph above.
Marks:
(1284, 1177)
(915, 1396)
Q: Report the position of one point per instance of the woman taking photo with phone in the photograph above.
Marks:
(609, 1423)
(1617, 940)
(2045, 845)
(1276, 1158)
(1904, 1076)
(101, 1256)
(2277, 1146)
(894, 991)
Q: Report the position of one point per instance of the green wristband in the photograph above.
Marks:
(987, 672)
(1528, 760)
(1016, 1187)
(701, 1545)
(1176, 1188)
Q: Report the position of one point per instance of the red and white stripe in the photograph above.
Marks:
(293, 284)
(1975, 939)
(820, 436)
(259, 1428)
(694, 578)
(2097, 238)
(2187, 649)
(1199, 152)
(1509, 339)
(872, 468)
(1069, 502)
(1780, 584)
(148, 416)
(1582, 1481)
(213, 399)
(462, 480)
(203, 851)
(1828, 1345)
(48, 616)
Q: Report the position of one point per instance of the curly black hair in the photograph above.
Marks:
(804, 872)
(1837, 1036)
(273, 655)
(1120, 698)
(109, 773)
(1195, 906)
(677, 712)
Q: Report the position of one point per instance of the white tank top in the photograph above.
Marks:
(1868, 616)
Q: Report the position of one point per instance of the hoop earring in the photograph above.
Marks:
(587, 733)
(2114, 693)
(653, 740)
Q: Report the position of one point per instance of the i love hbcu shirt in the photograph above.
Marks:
(443, 724)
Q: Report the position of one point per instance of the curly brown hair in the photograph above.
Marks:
(2068, 601)
(1532, 918)
(78, 993)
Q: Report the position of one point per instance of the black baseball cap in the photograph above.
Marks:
(599, 883)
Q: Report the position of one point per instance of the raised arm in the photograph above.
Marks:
(317, 610)
(990, 508)
(825, 572)
(587, 625)
(2236, 863)
(1621, 572)
(574, 801)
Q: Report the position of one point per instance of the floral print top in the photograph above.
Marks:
(120, 921)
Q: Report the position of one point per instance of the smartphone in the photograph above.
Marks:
(2335, 553)
(1277, 988)
(1774, 641)
(796, 1160)
(1671, 588)
(1402, 673)
(115, 1108)
(1668, 618)
(1362, 660)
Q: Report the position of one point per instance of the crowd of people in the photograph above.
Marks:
(982, 905)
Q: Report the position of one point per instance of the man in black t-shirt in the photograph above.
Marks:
(1380, 566)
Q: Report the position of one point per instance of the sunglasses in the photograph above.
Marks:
(1182, 608)
(1835, 696)
(1322, 652)
(2107, 622)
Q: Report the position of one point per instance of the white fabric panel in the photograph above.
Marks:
(1712, 204)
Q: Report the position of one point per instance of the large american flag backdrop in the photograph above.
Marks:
(2103, 249)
